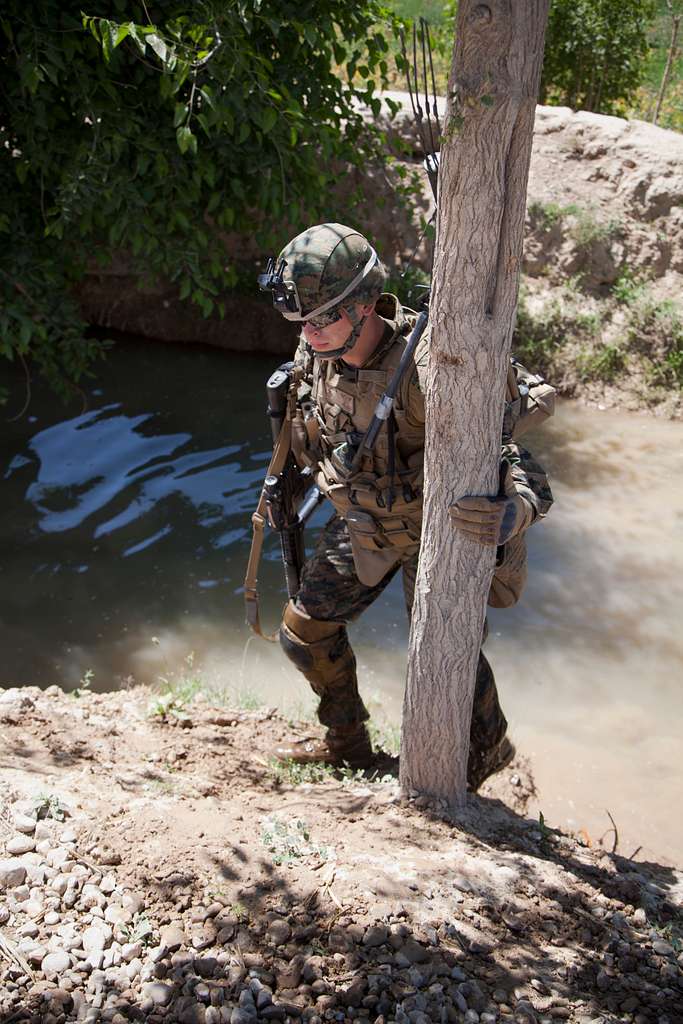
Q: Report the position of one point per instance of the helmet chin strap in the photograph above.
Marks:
(358, 321)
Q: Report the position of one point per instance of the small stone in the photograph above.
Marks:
(24, 823)
(56, 962)
(639, 917)
(115, 914)
(60, 883)
(96, 937)
(52, 918)
(662, 948)
(172, 937)
(242, 1016)
(376, 935)
(414, 952)
(33, 908)
(12, 874)
(29, 930)
(57, 856)
(20, 844)
(158, 992)
(279, 932)
(471, 1017)
(4, 914)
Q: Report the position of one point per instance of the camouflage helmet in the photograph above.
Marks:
(327, 264)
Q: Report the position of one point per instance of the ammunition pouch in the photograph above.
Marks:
(510, 573)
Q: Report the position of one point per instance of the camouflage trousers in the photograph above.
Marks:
(331, 591)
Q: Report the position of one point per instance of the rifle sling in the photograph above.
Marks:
(258, 521)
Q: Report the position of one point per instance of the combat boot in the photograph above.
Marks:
(483, 764)
(340, 746)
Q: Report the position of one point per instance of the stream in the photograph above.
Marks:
(125, 528)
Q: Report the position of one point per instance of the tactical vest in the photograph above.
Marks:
(382, 502)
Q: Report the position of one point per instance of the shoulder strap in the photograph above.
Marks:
(281, 450)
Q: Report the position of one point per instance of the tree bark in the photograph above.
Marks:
(485, 157)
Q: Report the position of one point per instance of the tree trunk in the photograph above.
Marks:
(670, 58)
(482, 191)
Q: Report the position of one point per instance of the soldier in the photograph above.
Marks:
(352, 339)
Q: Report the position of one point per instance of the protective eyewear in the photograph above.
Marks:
(325, 319)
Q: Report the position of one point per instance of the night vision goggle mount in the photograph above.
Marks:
(285, 296)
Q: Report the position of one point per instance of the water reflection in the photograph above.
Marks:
(125, 530)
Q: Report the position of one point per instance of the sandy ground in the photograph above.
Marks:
(159, 867)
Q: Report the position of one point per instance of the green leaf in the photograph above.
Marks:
(243, 133)
(122, 33)
(184, 138)
(159, 47)
(268, 119)
(137, 34)
(207, 95)
(180, 115)
(185, 288)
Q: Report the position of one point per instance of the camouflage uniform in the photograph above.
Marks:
(375, 530)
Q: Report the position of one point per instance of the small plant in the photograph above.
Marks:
(139, 930)
(545, 215)
(604, 363)
(84, 684)
(239, 911)
(386, 737)
(165, 705)
(47, 805)
(629, 287)
(655, 331)
(248, 700)
(290, 840)
(292, 773)
(587, 230)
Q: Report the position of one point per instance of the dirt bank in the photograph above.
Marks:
(174, 874)
(600, 305)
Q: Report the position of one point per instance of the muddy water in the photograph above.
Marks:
(124, 529)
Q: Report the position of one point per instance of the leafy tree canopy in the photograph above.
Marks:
(595, 52)
(151, 129)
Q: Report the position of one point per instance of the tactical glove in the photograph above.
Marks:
(493, 521)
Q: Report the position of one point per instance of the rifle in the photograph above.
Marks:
(291, 496)
(288, 497)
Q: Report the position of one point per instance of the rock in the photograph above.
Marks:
(172, 937)
(353, 995)
(24, 823)
(662, 948)
(4, 914)
(471, 1017)
(60, 883)
(29, 930)
(20, 844)
(57, 856)
(92, 896)
(242, 1016)
(158, 991)
(274, 1012)
(12, 874)
(55, 962)
(108, 884)
(33, 908)
(116, 914)
(414, 952)
(130, 950)
(97, 937)
(376, 935)
(278, 932)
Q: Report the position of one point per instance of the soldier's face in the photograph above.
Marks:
(322, 339)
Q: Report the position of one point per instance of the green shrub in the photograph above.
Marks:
(595, 53)
(655, 331)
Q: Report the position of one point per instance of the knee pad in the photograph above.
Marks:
(312, 645)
